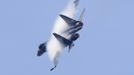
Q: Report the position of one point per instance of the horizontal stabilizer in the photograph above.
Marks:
(42, 49)
(63, 40)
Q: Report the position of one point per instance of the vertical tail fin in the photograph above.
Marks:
(76, 2)
(82, 14)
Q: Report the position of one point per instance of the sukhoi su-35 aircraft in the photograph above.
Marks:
(64, 33)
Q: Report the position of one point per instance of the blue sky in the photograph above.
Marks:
(106, 45)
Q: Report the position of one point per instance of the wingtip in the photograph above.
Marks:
(62, 16)
(54, 34)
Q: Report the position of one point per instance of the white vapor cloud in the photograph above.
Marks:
(54, 47)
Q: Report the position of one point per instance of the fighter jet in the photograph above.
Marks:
(63, 35)
(75, 26)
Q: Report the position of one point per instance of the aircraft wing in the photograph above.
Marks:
(71, 21)
(68, 20)
(63, 40)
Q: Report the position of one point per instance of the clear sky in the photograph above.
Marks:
(106, 45)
